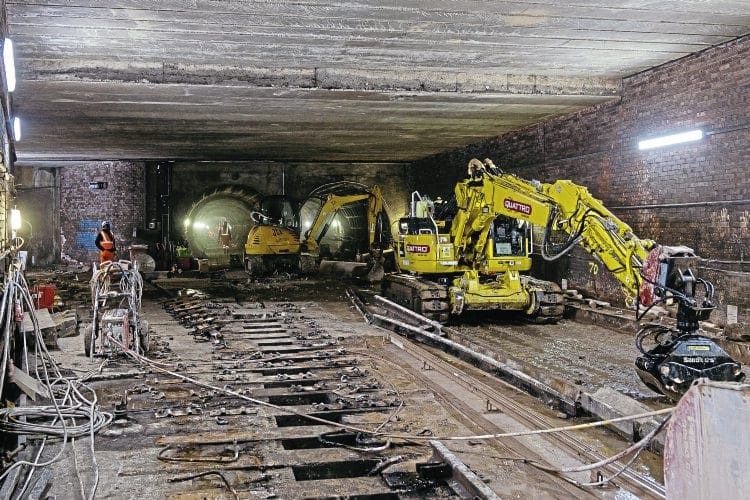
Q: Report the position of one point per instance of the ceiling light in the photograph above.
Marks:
(10, 65)
(668, 140)
(17, 128)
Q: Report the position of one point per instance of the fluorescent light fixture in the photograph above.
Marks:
(17, 129)
(15, 219)
(668, 140)
(10, 65)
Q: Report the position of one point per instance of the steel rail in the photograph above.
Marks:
(637, 483)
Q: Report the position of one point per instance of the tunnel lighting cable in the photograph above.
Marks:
(142, 360)
(8, 309)
(589, 425)
(68, 401)
(637, 447)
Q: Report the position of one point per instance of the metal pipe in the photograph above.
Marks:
(400, 324)
(489, 364)
(389, 303)
(683, 205)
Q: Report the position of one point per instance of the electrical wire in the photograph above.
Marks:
(207, 473)
(635, 448)
(55, 422)
(145, 361)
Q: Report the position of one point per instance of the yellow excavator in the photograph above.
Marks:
(271, 246)
(472, 252)
(273, 241)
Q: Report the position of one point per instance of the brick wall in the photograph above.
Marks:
(696, 194)
(82, 208)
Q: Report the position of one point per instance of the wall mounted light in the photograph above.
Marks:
(15, 219)
(668, 140)
(17, 129)
(10, 65)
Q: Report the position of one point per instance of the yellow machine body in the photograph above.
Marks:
(480, 250)
(272, 240)
(271, 246)
(471, 253)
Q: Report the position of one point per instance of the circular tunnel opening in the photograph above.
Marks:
(346, 233)
(216, 227)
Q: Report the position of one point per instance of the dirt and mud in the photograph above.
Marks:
(128, 452)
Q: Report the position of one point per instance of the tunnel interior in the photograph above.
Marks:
(345, 234)
(217, 224)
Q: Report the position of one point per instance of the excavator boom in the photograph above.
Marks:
(271, 246)
(470, 253)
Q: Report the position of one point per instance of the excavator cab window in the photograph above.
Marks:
(416, 225)
(280, 210)
(508, 236)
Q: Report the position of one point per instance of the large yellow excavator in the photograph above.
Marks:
(271, 246)
(471, 254)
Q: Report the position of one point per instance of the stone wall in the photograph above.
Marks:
(79, 195)
(695, 194)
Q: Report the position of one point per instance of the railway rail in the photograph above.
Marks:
(415, 332)
(249, 399)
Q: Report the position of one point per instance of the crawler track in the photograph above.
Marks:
(425, 297)
(431, 299)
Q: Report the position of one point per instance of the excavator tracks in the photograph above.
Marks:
(425, 297)
(548, 300)
(432, 300)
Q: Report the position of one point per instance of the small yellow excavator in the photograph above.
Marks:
(273, 241)
(332, 232)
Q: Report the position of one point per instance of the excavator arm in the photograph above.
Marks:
(560, 206)
(325, 216)
(471, 255)
(643, 268)
(376, 232)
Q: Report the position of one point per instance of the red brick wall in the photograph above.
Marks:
(696, 194)
(122, 203)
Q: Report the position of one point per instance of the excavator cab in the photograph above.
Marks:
(510, 237)
(343, 221)
(280, 210)
(346, 230)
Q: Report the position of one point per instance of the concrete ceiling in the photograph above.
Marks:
(335, 80)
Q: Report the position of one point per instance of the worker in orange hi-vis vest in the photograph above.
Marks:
(105, 242)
